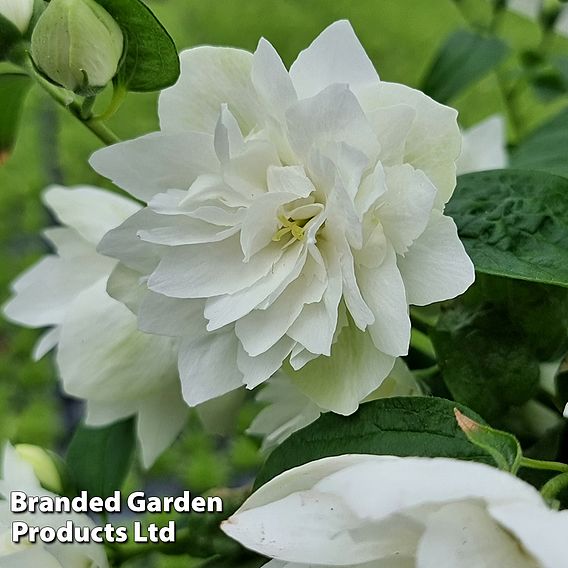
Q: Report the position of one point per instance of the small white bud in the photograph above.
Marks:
(19, 12)
(44, 466)
(77, 44)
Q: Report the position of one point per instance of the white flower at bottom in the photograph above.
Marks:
(101, 356)
(382, 511)
(292, 216)
(17, 475)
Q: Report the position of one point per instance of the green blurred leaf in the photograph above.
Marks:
(9, 35)
(503, 447)
(151, 61)
(400, 426)
(486, 361)
(546, 148)
(462, 60)
(13, 90)
(514, 223)
(99, 458)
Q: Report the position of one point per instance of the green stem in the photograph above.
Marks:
(556, 485)
(67, 101)
(118, 95)
(546, 465)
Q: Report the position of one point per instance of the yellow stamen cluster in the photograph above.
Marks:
(290, 226)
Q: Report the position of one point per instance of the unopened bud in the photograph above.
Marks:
(19, 12)
(44, 466)
(78, 45)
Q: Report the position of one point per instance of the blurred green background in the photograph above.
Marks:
(401, 37)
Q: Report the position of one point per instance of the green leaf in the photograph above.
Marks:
(151, 61)
(399, 426)
(462, 60)
(486, 361)
(514, 223)
(546, 148)
(503, 447)
(99, 458)
(9, 35)
(13, 90)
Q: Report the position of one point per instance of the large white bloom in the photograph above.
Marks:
(101, 356)
(288, 409)
(17, 475)
(387, 512)
(291, 216)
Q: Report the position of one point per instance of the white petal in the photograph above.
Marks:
(157, 162)
(541, 532)
(271, 80)
(210, 76)
(46, 343)
(378, 489)
(464, 535)
(436, 267)
(261, 329)
(102, 356)
(335, 56)
(484, 147)
(127, 286)
(207, 366)
(90, 211)
(124, 244)
(334, 115)
(434, 141)
(193, 271)
(67, 242)
(42, 293)
(228, 140)
(171, 316)
(258, 369)
(405, 207)
(107, 412)
(383, 291)
(354, 370)
(161, 418)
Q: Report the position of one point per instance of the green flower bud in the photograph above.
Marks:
(44, 466)
(78, 45)
(19, 12)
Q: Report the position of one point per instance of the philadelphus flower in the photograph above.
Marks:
(484, 146)
(77, 44)
(17, 475)
(382, 511)
(19, 12)
(291, 216)
(288, 409)
(101, 356)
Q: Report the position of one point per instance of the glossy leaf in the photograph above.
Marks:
(150, 62)
(399, 426)
(514, 223)
(486, 362)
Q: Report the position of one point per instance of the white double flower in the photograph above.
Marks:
(292, 218)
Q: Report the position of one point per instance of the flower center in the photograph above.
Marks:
(293, 226)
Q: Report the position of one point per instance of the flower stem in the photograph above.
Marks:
(421, 342)
(552, 488)
(67, 100)
(546, 465)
